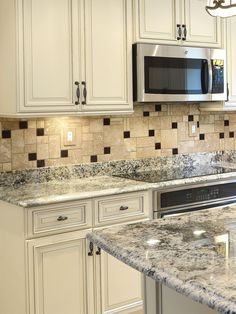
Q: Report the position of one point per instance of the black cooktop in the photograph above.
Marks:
(160, 175)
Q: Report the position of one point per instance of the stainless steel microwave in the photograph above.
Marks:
(176, 73)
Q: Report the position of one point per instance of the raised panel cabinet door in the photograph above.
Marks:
(202, 28)
(50, 54)
(231, 60)
(108, 56)
(120, 287)
(158, 19)
(58, 275)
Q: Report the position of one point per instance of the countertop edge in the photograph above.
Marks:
(194, 292)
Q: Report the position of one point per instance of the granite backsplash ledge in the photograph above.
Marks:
(153, 130)
(60, 173)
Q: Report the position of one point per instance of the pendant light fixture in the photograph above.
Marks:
(221, 8)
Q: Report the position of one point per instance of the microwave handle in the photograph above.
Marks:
(210, 73)
(205, 77)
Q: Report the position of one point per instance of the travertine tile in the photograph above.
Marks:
(92, 136)
(5, 150)
(169, 139)
(18, 142)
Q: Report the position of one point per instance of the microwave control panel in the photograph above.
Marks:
(217, 76)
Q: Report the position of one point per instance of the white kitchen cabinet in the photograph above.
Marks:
(48, 267)
(119, 286)
(60, 273)
(231, 61)
(108, 55)
(184, 22)
(65, 57)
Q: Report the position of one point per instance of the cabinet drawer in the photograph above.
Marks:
(59, 218)
(119, 208)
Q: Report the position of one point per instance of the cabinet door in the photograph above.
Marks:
(108, 57)
(202, 29)
(231, 52)
(58, 275)
(118, 285)
(50, 54)
(157, 20)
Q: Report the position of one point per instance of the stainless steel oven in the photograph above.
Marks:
(176, 73)
(184, 199)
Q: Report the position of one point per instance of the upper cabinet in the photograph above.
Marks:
(183, 22)
(231, 52)
(73, 56)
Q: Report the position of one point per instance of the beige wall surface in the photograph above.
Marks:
(153, 130)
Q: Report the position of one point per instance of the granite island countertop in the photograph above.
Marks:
(55, 191)
(195, 254)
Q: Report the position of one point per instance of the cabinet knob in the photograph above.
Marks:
(184, 32)
(84, 102)
(124, 207)
(90, 253)
(179, 32)
(98, 251)
(77, 93)
(62, 218)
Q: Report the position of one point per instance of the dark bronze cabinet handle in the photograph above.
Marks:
(124, 207)
(98, 251)
(179, 32)
(184, 32)
(227, 91)
(90, 253)
(77, 93)
(84, 93)
(62, 218)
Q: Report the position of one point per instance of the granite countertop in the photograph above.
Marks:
(195, 254)
(55, 191)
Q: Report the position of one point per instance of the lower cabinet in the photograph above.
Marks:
(60, 275)
(119, 286)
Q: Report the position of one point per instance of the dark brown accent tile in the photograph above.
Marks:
(6, 134)
(127, 134)
(107, 150)
(222, 135)
(226, 122)
(198, 124)
(231, 134)
(94, 158)
(157, 107)
(151, 133)
(23, 124)
(157, 145)
(146, 113)
(40, 132)
(175, 151)
(201, 137)
(64, 153)
(106, 121)
(190, 118)
(40, 163)
(174, 125)
(32, 156)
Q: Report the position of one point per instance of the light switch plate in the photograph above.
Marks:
(193, 129)
(69, 137)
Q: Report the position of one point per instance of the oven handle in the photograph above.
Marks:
(210, 76)
(162, 213)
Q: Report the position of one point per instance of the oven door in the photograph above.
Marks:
(169, 73)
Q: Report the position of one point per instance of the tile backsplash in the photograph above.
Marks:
(152, 130)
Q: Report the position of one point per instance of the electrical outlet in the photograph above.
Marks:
(193, 129)
(69, 135)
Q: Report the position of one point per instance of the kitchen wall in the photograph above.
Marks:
(153, 130)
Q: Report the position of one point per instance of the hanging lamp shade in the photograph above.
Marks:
(221, 8)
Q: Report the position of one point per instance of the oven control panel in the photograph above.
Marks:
(197, 195)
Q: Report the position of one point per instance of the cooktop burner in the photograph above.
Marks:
(153, 176)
